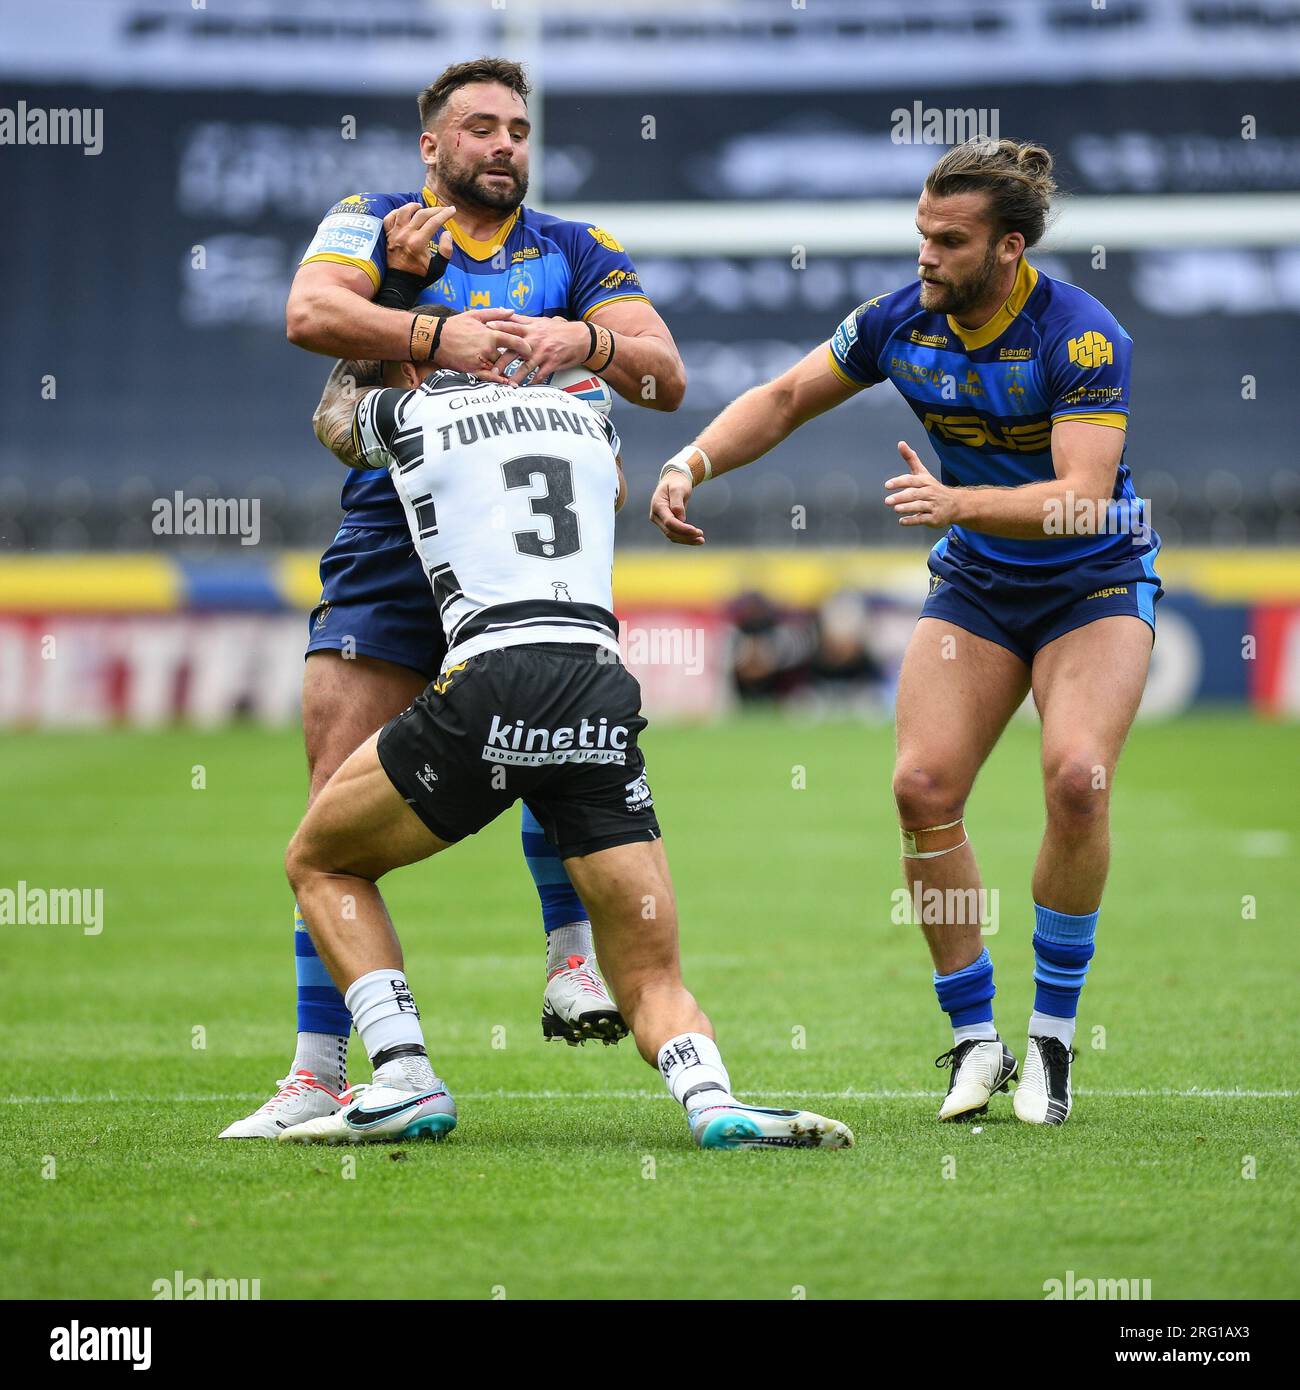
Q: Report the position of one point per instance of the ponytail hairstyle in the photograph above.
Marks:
(1017, 176)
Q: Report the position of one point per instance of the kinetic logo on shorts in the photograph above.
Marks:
(529, 746)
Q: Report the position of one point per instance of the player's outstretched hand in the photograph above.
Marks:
(556, 343)
(668, 508)
(917, 496)
(409, 232)
(482, 341)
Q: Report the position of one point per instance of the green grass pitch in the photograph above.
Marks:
(571, 1174)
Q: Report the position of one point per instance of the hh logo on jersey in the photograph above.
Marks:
(519, 288)
(1091, 349)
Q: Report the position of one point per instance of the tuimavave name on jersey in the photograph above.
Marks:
(509, 492)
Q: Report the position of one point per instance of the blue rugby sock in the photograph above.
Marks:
(966, 996)
(1063, 946)
(321, 1010)
(567, 925)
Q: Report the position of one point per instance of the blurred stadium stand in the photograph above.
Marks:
(223, 131)
(724, 144)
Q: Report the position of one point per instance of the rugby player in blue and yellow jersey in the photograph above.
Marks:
(1044, 579)
(535, 294)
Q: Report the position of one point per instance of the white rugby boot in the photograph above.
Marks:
(727, 1124)
(298, 1098)
(404, 1100)
(577, 1006)
(1043, 1097)
(980, 1068)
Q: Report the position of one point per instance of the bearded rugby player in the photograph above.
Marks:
(534, 293)
(1044, 579)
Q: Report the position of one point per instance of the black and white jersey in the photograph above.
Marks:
(509, 494)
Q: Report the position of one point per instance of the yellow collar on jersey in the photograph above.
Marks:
(472, 246)
(1026, 279)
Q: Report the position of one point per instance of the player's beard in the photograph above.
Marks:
(461, 185)
(957, 297)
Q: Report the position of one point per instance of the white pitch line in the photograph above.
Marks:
(1193, 1093)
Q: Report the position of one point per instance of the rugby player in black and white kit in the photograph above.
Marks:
(510, 497)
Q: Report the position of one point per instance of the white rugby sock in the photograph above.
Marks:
(325, 1055)
(571, 940)
(983, 1032)
(1048, 1026)
(383, 1010)
(691, 1062)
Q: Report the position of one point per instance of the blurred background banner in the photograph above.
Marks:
(760, 162)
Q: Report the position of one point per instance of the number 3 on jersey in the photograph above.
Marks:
(555, 503)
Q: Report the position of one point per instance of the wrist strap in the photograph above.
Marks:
(437, 264)
(601, 352)
(426, 330)
(399, 289)
(680, 463)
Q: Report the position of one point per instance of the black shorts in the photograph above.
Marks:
(553, 724)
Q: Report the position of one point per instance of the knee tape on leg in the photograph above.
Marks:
(910, 850)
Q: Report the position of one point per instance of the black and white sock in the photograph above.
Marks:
(692, 1068)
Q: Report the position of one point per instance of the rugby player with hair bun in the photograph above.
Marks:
(1043, 580)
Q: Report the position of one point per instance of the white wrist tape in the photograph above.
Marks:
(680, 463)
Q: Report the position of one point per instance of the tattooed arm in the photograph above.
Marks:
(622, 484)
(347, 382)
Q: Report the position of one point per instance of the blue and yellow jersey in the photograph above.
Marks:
(989, 397)
(534, 264)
